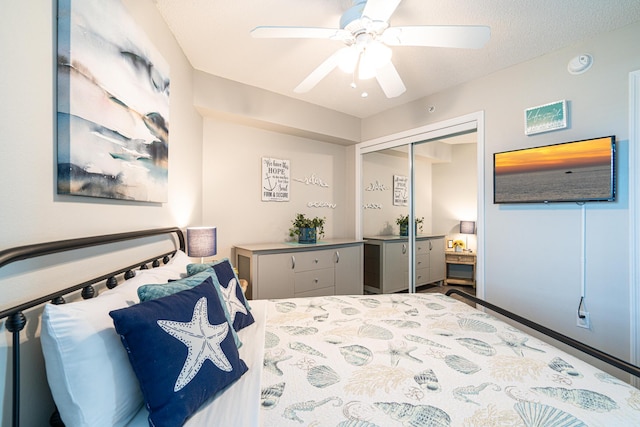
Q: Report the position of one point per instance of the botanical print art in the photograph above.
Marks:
(113, 105)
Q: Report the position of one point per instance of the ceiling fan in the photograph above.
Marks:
(365, 30)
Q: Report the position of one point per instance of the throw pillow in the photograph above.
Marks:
(154, 291)
(181, 350)
(237, 304)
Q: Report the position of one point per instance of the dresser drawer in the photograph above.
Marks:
(422, 261)
(461, 258)
(314, 279)
(422, 247)
(422, 276)
(315, 260)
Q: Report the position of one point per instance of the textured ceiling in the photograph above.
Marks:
(214, 35)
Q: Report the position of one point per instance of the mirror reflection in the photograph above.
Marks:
(444, 194)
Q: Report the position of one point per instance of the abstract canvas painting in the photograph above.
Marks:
(113, 105)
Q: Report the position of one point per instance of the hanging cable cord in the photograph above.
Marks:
(583, 261)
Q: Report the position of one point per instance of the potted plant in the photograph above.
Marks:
(308, 230)
(458, 245)
(403, 222)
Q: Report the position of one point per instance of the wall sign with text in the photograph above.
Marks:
(400, 190)
(545, 118)
(275, 180)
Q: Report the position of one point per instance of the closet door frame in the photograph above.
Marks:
(634, 217)
(469, 122)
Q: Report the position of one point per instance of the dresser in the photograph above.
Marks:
(386, 262)
(287, 270)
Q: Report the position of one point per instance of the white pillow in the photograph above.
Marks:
(175, 269)
(177, 264)
(88, 369)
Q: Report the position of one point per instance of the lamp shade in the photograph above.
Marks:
(467, 227)
(201, 241)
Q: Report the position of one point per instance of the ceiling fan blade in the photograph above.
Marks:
(390, 81)
(380, 10)
(300, 33)
(321, 72)
(462, 36)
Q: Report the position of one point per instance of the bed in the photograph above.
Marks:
(196, 352)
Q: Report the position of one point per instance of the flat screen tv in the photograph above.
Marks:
(576, 171)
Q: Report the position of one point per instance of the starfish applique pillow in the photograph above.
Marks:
(236, 303)
(181, 349)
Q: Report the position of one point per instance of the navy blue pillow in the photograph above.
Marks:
(237, 305)
(153, 291)
(182, 351)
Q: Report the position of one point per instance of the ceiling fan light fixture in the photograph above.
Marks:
(378, 53)
(367, 36)
(366, 70)
(374, 56)
(348, 59)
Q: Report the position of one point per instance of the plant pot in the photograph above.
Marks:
(458, 249)
(307, 235)
(404, 229)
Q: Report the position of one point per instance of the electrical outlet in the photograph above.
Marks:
(584, 322)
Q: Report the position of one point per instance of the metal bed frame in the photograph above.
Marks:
(16, 320)
(591, 351)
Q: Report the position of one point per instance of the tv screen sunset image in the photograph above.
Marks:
(576, 171)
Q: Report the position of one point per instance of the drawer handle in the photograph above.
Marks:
(315, 280)
(293, 262)
(316, 260)
(337, 257)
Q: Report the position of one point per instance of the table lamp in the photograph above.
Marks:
(201, 242)
(467, 227)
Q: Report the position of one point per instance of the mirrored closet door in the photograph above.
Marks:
(407, 184)
(385, 195)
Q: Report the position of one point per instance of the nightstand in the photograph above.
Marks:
(461, 268)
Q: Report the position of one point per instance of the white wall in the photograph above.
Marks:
(538, 280)
(31, 211)
(446, 188)
(232, 156)
(455, 193)
(532, 252)
(378, 170)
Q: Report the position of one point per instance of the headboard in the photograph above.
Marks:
(15, 319)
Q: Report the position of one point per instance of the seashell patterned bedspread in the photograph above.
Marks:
(424, 360)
